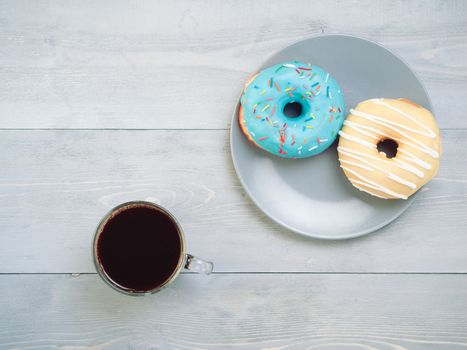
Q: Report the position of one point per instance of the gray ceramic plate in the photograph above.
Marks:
(312, 196)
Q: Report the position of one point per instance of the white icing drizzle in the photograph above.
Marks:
(402, 181)
(371, 146)
(378, 120)
(374, 185)
(429, 133)
(359, 127)
(411, 157)
(358, 165)
(357, 140)
(355, 181)
(354, 154)
(414, 159)
(372, 166)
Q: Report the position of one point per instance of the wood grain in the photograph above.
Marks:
(135, 64)
(56, 185)
(253, 311)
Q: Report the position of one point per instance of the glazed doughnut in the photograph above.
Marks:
(389, 148)
(292, 109)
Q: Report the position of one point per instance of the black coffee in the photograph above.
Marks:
(139, 248)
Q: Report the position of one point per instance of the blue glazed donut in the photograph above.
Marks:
(292, 109)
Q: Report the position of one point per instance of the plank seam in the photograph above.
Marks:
(251, 273)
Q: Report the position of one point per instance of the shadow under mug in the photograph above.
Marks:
(112, 241)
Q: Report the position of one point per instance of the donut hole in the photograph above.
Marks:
(388, 147)
(293, 109)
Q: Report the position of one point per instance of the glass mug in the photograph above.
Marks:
(139, 248)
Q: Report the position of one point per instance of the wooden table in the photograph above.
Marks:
(104, 102)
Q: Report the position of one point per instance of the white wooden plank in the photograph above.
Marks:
(334, 312)
(130, 64)
(56, 185)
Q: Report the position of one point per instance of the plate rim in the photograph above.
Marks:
(280, 222)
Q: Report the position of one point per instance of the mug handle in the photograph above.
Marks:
(197, 265)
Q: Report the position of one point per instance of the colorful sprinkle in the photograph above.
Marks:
(266, 107)
(289, 65)
(312, 115)
(303, 68)
(281, 151)
(262, 92)
(252, 133)
(312, 148)
(278, 69)
(315, 84)
(273, 111)
(308, 119)
(327, 91)
(282, 136)
(263, 138)
(277, 87)
(310, 127)
(327, 77)
(269, 99)
(330, 119)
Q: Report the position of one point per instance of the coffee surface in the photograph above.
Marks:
(139, 248)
